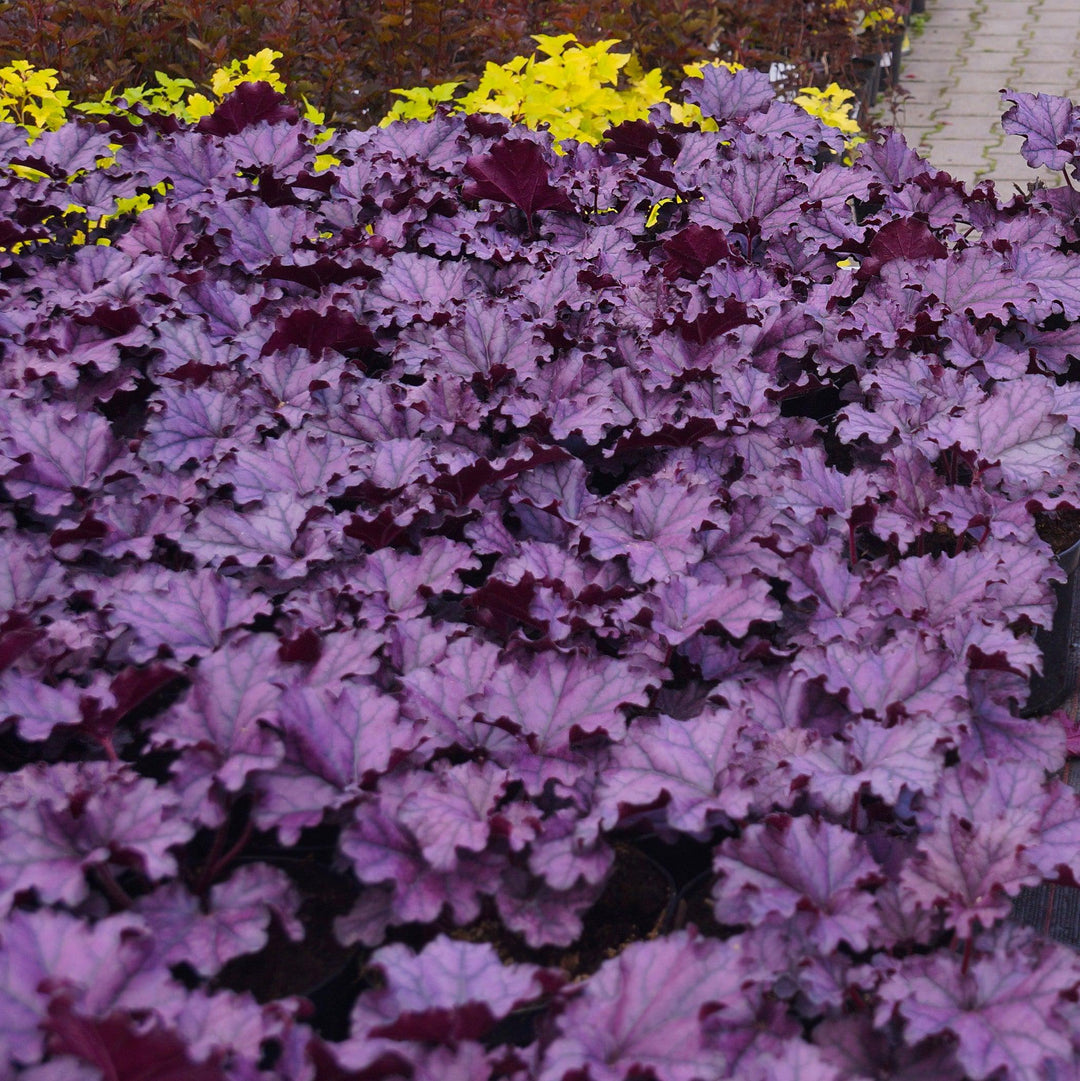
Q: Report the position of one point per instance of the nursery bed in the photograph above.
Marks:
(483, 612)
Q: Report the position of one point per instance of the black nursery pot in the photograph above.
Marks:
(897, 59)
(868, 73)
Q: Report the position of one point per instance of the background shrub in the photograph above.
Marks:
(346, 56)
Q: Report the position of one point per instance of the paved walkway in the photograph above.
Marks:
(968, 52)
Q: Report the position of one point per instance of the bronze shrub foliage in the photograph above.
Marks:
(347, 55)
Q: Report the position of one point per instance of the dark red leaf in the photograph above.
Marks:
(515, 171)
(249, 103)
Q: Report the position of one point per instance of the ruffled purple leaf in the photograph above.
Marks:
(1050, 127)
(413, 286)
(654, 527)
(229, 708)
(1046, 272)
(973, 861)
(682, 607)
(347, 737)
(884, 760)
(690, 769)
(67, 150)
(203, 424)
(967, 282)
(729, 95)
(541, 915)
(189, 614)
(558, 852)
(36, 707)
(1013, 430)
(47, 951)
(905, 677)
(447, 992)
(1006, 1010)
(232, 921)
(787, 865)
(450, 809)
(54, 459)
(95, 816)
(382, 851)
(254, 234)
(556, 701)
(646, 1010)
(274, 534)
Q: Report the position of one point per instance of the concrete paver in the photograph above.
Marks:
(968, 52)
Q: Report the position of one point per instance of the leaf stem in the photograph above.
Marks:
(205, 874)
(110, 887)
(241, 842)
(106, 744)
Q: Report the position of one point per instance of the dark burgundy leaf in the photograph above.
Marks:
(249, 103)
(515, 171)
(905, 238)
(693, 249)
(123, 1052)
(318, 331)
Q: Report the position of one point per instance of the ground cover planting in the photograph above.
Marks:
(476, 609)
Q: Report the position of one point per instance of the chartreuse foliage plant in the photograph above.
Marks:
(832, 105)
(29, 98)
(575, 91)
(437, 593)
(869, 21)
(173, 97)
(578, 91)
(32, 101)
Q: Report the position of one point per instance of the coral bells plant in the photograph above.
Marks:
(479, 612)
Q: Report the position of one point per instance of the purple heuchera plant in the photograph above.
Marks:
(393, 554)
